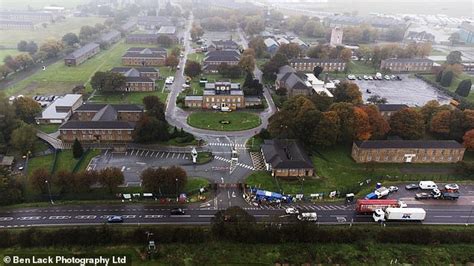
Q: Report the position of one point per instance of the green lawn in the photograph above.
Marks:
(48, 128)
(198, 57)
(127, 97)
(39, 35)
(204, 157)
(254, 143)
(38, 162)
(64, 162)
(435, 52)
(229, 253)
(195, 183)
(58, 78)
(337, 171)
(455, 83)
(359, 67)
(211, 120)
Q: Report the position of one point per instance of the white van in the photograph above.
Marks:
(225, 109)
(427, 185)
(308, 216)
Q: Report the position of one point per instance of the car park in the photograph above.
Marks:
(412, 187)
(423, 195)
(115, 219)
(177, 211)
(292, 211)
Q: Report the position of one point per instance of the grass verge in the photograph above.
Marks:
(212, 120)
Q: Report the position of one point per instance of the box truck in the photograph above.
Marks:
(399, 214)
(370, 205)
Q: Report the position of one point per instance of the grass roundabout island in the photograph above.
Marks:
(222, 121)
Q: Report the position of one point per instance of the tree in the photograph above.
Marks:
(347, 92)
(196, 32)
(24, 60)
(291, 50)
(328, 130)
(51, 48)
(107, 81)
(38, 179)
(229, 71)
(375, 99)
(165, 41)
(439, 76)
(346, 114)
(8, 121)
(454, 57)
(362, 127)
(247, 60)
(77, 149)
(346, 54)
(5, 71)
(26, 108)
(379, 127)
(11, 190)
(21, 46)
(154, 107)
(319, 51)
(164, 181)
(87, 33)
(317, 70)
(447, 78)
(255, 25)
(464, 88)
(258, 45)
(70, 39)
(468, 119)
(111, 178)
(468, 140)
(171, 61)
(448, 124)
(270, 69)
(429, 110)
(151, 129)
(407, 123)
(454, 38)
(192, 68)
(23, 138)
(11, 63)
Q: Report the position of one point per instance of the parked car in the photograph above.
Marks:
(412, 187)
(451, 186)
(115, 219)
(387, 77)
(185, 86)
(359, 77)
(177, 211)
(428, 185)
(392, 189)
(423, 195)
(292, 211)
(225, 109)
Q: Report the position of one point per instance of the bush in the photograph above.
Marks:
(447, 78)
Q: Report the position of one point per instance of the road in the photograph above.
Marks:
(151, 214)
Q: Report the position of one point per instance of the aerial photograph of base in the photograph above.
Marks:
(236, 132)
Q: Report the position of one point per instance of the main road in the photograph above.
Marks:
(138, 214)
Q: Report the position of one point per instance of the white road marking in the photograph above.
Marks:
(180, 216)
(167, 155)
(153, 216)
(29, 218)
(205, 216)
(59, 217)
(2, 219)
(85, 217)
(443, 216)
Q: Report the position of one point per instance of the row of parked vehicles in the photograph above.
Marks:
(377, 76)
(448, 192)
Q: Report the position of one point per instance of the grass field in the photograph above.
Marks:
(48, 128)
(198, 57)
(58, 78)
(39, 35)
(455, 83)
(211, 120)
(228, 253)
(65, 161)
(338, 171)
(359, 67)
(127, 97)
(195, 183)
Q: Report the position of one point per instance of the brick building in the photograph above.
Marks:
(308, 64)
(110, 37)
(16, 25)
(218, 95)
(137, 79)
(286, 158)
(82, 54)
(139, 56)
(407, 151)
(213, 59)
(407, 65)
(98, 123)
(223, 45)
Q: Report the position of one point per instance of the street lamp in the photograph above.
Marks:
(49, 192)
(177, 198)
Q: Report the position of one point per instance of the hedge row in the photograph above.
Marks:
(293, 233)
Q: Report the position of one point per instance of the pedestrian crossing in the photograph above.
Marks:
(230, 161)
(302, 207)
(238, 145)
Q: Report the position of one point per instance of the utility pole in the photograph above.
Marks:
(49, 192)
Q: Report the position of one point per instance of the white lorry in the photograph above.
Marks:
(399, 214)
(308, 216)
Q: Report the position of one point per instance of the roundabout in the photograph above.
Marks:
(223, 121)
